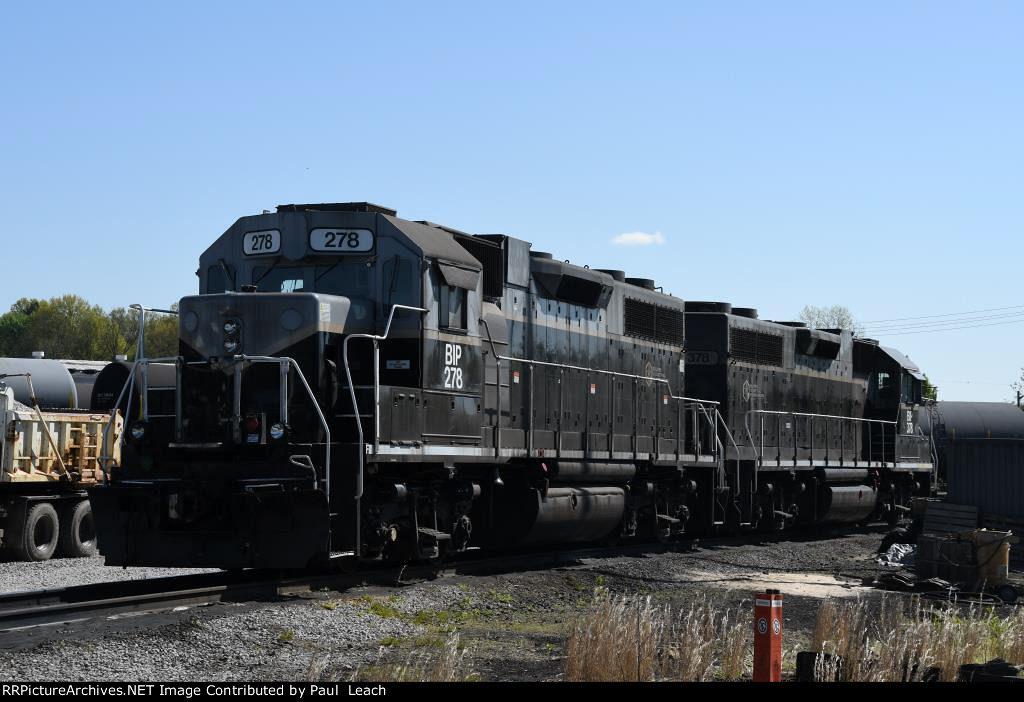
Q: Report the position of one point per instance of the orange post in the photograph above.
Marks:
(768, 636)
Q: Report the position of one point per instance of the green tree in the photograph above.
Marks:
(119, 333)
(928, 390)
(65, 327)
(12, 332)
(13, 325)
(69, 327)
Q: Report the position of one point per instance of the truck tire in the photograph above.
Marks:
(40, 531)
(77, 531)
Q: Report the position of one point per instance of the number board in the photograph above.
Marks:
(341, 240)
(261, 243)
(702, 358)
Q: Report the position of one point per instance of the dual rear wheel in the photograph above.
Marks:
(47, 531)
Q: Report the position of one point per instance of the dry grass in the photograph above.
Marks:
(631, 639)
(445, 663)
(906, 641)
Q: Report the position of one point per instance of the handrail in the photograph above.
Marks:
(140, 340)
(721, 447)
(287, 362)
(759, 445)
(699, 403)
(821, 416)
(361, 449)
(617, 374)
(129, 387)
(497, 387)
(376, 338)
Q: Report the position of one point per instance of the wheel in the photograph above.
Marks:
(77, 532)
(39, 533)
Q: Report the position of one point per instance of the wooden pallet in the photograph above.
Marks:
(946, 518)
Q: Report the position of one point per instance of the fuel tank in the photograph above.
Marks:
(562, 515)
(848, 504)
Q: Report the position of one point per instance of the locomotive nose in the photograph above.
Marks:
(263, 324)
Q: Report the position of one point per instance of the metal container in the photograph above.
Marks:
(111, 380)
(84, 374)
(980, 449)
(54, 386)
(987, 473)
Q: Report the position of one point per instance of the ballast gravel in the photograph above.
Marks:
(278, 642)
(18, 576)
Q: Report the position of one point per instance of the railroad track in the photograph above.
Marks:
(40, 608)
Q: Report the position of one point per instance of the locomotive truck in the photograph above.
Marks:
(353, 384)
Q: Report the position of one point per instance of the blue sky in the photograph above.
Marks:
(784, 153)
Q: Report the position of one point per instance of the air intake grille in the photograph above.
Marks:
(755, 347)
(647, 321)
(490, 257)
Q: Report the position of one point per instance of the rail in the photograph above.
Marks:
(810, 422)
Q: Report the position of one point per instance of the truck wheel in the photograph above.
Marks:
(39, 535)
(77, 532)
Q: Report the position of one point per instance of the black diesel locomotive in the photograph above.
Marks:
(352, 383)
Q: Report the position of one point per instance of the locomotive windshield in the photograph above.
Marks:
(354, 279)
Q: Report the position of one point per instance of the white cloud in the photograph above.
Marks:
(638, 239)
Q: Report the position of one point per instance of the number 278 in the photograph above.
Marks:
(262, 242)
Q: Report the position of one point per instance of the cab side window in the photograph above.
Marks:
(452, 308)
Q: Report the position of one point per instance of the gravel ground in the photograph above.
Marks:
(512, 625)
(260, 643)
(16, 576)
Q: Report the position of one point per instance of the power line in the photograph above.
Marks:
(1009, 316)
(969, 326)
(950, 314)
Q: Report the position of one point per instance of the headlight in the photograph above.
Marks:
(230, 327)
(138, 431)
(277, 431)
(230, 345)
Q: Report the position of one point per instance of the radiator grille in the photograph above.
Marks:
(755, 347)
(645, 320)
